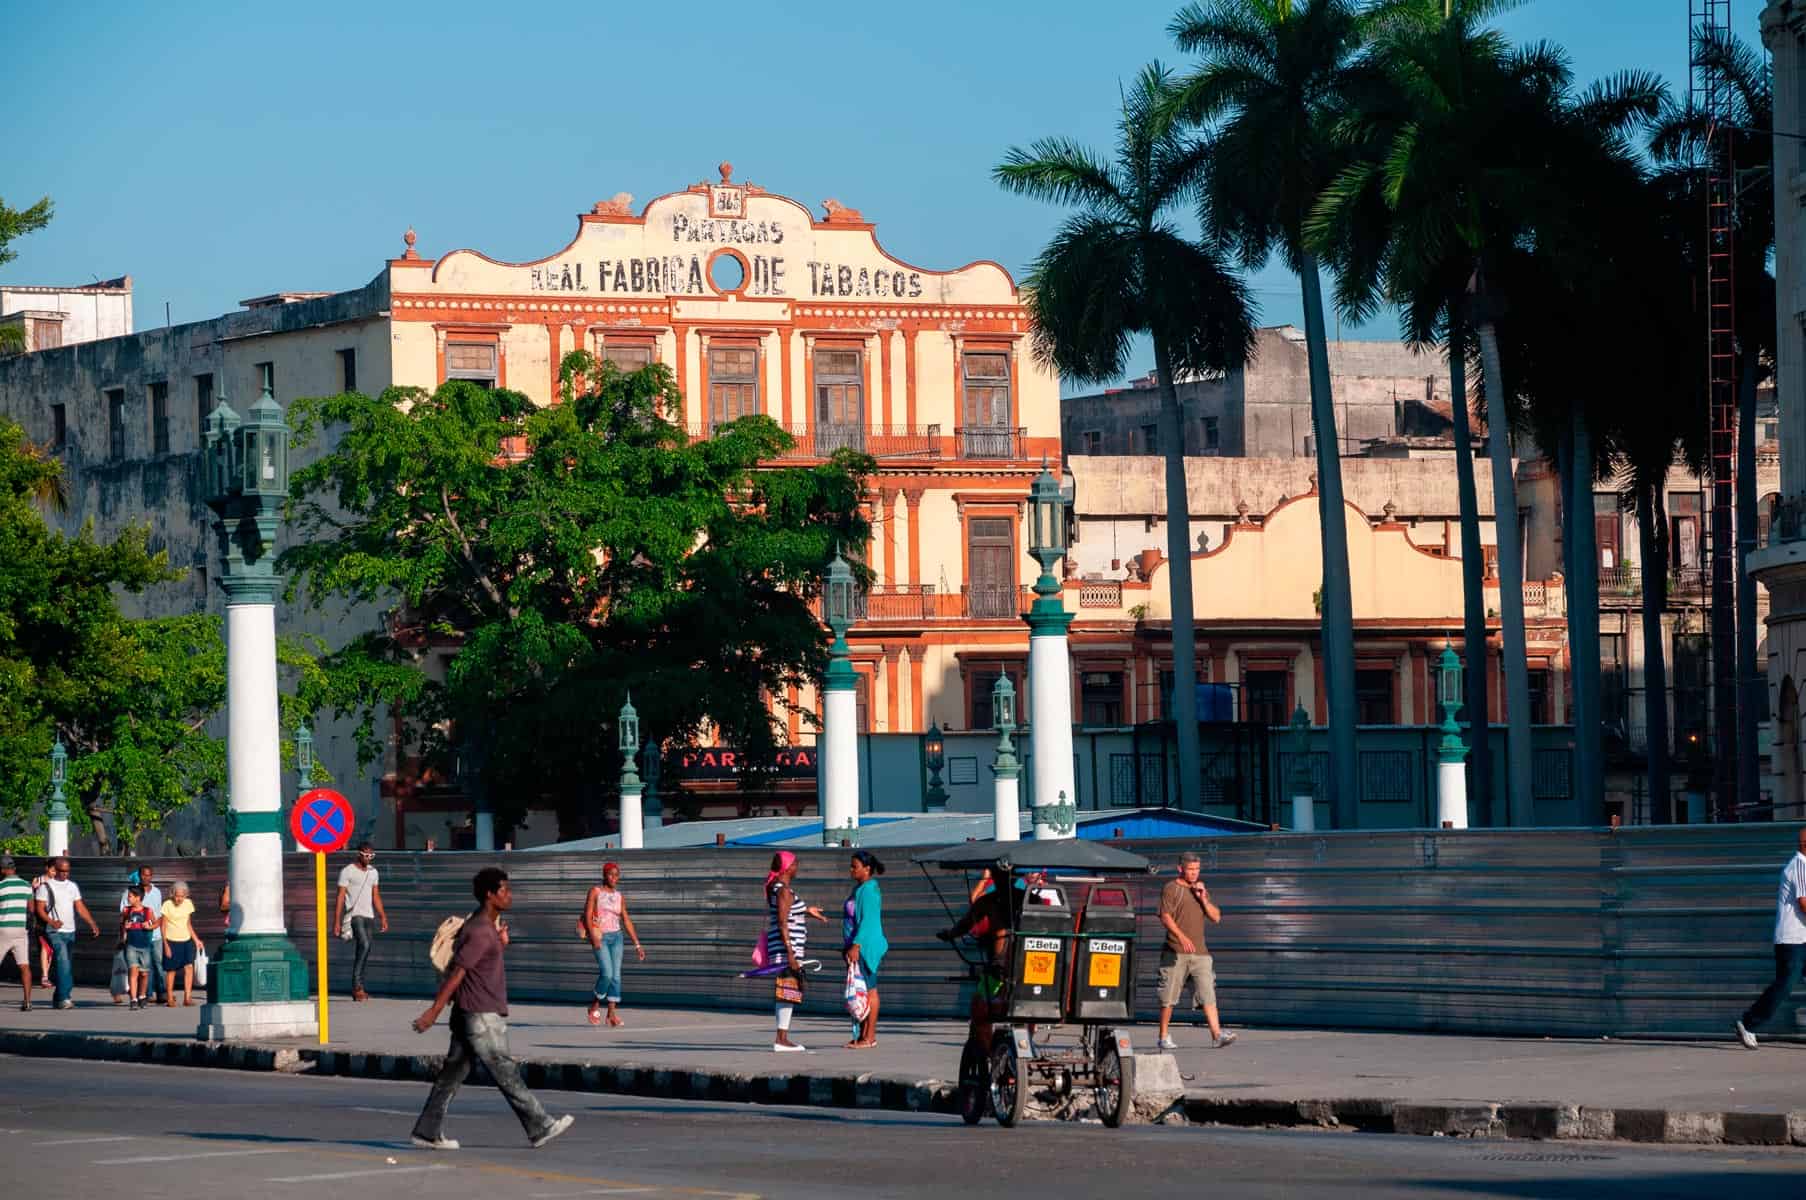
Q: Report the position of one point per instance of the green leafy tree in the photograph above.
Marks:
(615, 554)
(15, 223)
(1276, 77)
(1119, 268)
(129, 698)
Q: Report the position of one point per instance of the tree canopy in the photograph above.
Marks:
(555, 559)
(15, 223)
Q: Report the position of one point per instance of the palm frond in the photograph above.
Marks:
(1062, 171)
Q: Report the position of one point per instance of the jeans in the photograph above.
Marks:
(363, 933)
(608, 968)
(1790, 964)
(480, 1037)
(156, 984)
(63, 968)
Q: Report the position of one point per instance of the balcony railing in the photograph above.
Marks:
(1100, 593)
(1626, 583)
(899, 604)
(989, 441)
(821, 440)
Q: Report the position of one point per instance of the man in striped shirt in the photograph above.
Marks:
(15, 901)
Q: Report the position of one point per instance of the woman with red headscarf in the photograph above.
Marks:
(603, 920)
(786, 941)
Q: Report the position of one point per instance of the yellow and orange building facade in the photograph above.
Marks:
(759, 304)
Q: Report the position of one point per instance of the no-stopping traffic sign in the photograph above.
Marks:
(321, 821)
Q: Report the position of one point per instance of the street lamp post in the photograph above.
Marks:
(838, 762)
(650, 756)
(260, 985)
(1006, 802)
(304, 763)
(1451, 754)
(934, 749)
(1050, 667)
(56, 827)
(1304, 800)
(633, 836)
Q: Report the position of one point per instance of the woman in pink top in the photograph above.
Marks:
(603, 920)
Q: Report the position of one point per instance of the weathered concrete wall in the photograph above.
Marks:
(165, 490)
(1381, 389)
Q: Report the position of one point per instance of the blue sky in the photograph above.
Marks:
(219, 152)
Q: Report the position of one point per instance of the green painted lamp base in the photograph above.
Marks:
(259, 968)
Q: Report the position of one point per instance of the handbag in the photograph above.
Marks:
(858, 1002)
(788, 988)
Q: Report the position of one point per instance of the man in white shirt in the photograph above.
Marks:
(1790, 947)
(360, 907)
(59, 903)
(153, 900)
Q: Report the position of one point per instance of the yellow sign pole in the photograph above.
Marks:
(320, 934)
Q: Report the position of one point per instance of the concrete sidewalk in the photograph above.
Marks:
(1646, 1091)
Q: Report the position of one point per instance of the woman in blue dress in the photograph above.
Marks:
(863, 932)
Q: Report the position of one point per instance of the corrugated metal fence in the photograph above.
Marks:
(1653, 930)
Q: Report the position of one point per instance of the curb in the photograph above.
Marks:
(1549, 1122)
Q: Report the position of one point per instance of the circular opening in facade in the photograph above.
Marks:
(727, 273)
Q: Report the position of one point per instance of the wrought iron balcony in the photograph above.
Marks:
(820, 440)
(1626, 582)
(990, 441)
(900, 604)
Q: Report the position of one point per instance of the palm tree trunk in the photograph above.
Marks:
(1519, 806)
(1338, 603)
(1654, 556)
(1473, 585)
(1178, 569)
(1752, 684)
(1583, 622)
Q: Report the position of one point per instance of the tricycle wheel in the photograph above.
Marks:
(974, 1089)
(1009, 1090)
(1115, 1084)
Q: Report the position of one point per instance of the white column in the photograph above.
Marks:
(1050, 708)
(1008, 808)
(253, 766)
(633, 836)
(56, 837)
(838, 770)
(1304, 813)
(1451, 794)
(484, 823)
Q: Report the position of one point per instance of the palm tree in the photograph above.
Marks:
(1119, 268)
(1275, 78)
(1684, 141)
(1452, 176)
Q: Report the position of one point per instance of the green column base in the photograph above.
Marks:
(258, 968)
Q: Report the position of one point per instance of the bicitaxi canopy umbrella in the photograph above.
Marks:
(1067, 854)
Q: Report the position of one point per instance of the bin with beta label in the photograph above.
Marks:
(1103, 966)
(1042, 948)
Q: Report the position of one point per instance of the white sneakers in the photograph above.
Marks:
(440, 1143)
(1167, 1043)
(786, 1048)
(557, 1127)
(1225, 1040)
(1746, 1037)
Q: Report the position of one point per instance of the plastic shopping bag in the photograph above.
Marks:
(857, 1003)
(200, 968)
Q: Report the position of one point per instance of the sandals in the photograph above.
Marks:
(595, 1016)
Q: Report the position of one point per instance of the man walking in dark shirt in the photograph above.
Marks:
(477, 989)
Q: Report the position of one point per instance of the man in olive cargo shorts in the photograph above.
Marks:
(1185, 907)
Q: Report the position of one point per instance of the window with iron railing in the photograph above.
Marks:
(733, 383)
(990, 561)
(159, 414)
(985, 379)
(839, 399)
(203, 400)
(116, 423)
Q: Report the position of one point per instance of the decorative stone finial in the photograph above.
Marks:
(727, 173)
(408, 239)
(620, 206)
(1313, 479)
(1389, 510)
(839, 212)
(1241, 512)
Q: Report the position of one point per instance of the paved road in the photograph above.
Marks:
(73, 1128)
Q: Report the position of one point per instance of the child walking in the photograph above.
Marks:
(136, 924)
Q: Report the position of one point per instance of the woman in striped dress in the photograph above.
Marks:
(786, 942)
